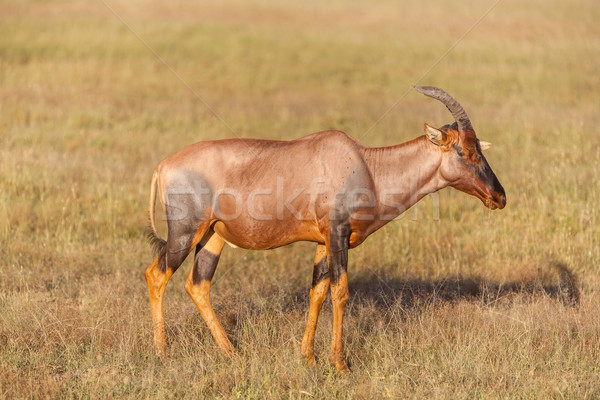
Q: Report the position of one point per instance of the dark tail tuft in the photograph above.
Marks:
(155, 242)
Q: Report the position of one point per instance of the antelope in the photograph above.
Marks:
(325, 188)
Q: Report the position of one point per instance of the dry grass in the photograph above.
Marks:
(477, 304)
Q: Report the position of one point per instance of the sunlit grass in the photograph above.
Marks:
(467, 305)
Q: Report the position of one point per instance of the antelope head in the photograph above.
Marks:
(463, 164)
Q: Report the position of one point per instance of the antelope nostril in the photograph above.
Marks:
(499, 199)
(502, 200)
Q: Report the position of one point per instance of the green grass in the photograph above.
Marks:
(470, 305)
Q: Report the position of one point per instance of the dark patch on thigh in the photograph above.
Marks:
(177, 249)
(186, 199)
(162, 260)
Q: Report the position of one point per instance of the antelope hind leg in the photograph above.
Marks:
(157, 282)
(157, 276)
(198, 286)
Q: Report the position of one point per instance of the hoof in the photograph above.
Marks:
(161, 353)
(340, 365)
(311, 362)
(307, 353)
(229, 352)
(342, 368)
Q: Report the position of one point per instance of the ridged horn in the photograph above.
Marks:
(459, 114)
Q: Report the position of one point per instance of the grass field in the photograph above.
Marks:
(470, 304)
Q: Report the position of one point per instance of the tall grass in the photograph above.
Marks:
(470, 305)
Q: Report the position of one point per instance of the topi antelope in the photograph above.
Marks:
(325, 188)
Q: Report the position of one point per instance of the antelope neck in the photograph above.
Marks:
(404, 174)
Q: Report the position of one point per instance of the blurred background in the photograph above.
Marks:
(94, 94)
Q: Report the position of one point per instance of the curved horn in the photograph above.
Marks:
(459, 114)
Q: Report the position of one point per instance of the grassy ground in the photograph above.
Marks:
(471, 304)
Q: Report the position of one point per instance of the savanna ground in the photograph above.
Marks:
(472, 303)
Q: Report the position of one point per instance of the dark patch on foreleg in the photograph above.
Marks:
(339, 237)
(339, 242)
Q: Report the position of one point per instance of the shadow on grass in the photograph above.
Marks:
(558, 283)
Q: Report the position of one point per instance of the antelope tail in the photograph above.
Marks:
(155, 241)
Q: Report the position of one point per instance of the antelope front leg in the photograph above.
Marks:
(338, 264)
(318, 293)
(339, 298)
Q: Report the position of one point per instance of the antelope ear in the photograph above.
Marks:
(484, 145)
(434, 135)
